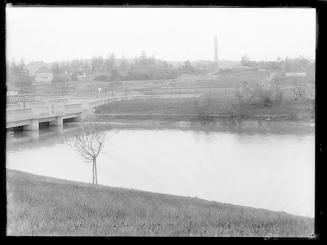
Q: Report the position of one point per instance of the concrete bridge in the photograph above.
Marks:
(30, 118)
(30, 115)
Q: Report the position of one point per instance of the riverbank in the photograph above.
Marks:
(219, 108)
(47, 206)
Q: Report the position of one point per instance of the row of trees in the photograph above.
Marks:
(18, 75)
(102, 69)
(114, 69)
(299, 64)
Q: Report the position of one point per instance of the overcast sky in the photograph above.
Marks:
(55, 34)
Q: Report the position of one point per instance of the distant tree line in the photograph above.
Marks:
(299, 64)
(114, 69)
(104, 69)
(18, 75)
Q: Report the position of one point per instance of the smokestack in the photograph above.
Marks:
(216, 53)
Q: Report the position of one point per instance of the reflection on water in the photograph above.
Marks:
(265, 170)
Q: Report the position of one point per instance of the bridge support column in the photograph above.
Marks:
(33, 126)
(57, 122)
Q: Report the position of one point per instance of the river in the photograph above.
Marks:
(262, 168)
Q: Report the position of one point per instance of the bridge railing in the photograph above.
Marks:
(73, 108)
(19, 114)
(36, 104)
(112, 99)
(14, 106)
(42, 110)
(57, 101)
(95, 103)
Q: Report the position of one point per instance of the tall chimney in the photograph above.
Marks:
(216, 51)
(216, 54)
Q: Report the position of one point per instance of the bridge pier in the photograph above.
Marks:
(57, 122)
(33, 126)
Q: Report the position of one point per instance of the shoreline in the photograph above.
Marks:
(221, 121)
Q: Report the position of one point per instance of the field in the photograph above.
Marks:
(215, 95)
(47, 206)
(89, 87)
(199, 108)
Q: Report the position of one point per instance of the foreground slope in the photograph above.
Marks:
(39, 205)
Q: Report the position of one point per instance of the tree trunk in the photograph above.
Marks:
(95, 171)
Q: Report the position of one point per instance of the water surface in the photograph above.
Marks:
(263, 169)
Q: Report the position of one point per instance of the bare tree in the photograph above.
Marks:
(88, 140)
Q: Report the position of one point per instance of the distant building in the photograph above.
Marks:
(295, 74)
(12, 92)
(43, 75)
(80, 74)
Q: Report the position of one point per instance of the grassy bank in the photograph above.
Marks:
(46, 206)
(202, 107)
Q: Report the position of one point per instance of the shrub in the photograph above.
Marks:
(302, 91)
(266, 94)
(298, 93)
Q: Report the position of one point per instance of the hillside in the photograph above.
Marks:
(46, 206)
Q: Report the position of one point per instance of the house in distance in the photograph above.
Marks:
(43, 75)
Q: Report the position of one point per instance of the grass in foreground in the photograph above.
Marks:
(46, 206)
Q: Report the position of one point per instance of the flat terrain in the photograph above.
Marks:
(47, 206)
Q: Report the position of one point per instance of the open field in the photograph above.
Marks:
(190, 82)
(46, 206)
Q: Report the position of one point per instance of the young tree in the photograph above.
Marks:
(88, 141)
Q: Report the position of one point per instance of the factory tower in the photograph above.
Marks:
(216, 54)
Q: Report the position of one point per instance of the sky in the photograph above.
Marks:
(173, 34)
